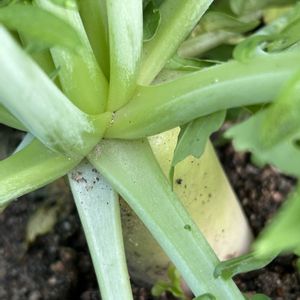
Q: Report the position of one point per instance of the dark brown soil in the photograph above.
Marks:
(261, 192)
(57, 266)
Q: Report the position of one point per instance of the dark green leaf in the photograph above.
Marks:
(194, 135)
(41, 26)
(242, 264)
(152, 20)
(193, 138)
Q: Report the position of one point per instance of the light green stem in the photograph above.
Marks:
(29, 169)
(98, 208)
(133, 171)
(125, 23)
(155, 109)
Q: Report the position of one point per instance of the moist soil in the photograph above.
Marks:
(57, 265)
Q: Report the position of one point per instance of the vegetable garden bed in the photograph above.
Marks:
(58, 266)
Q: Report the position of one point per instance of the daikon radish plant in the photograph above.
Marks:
(122, 96)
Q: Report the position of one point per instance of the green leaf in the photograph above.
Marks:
(251, 47)
(281, 120)
(273, 133)
(178, 18)
(242, 264)
(132, 170)
(282, 234)
(42, 107)
(125, 24)
(214, 20)
(152, 20)
(94, 17)
(246, 137)
(98, 207)
(42, 26)
(158, 108)
(194, 135)
(288, 37)
(81, 78)
(29, 169)
(193, 138)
